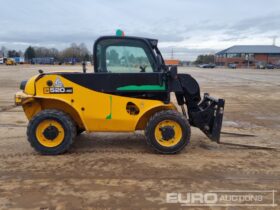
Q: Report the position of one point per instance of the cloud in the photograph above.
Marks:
(189, 26)
(260, 24)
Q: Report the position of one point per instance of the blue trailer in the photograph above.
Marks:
(19, 60)
(44, 60)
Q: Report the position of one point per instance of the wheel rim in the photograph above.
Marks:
(50, 133)
(163, 133)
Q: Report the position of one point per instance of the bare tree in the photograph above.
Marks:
(76, 52)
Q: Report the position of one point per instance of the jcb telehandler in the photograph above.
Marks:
(129, 90)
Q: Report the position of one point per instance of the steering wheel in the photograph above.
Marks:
(143, 68)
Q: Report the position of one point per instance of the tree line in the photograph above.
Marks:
(205, 59)
(79, 52)
(115, 58)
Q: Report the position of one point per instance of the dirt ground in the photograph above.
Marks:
(118, 171)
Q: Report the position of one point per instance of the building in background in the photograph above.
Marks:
(248, 55)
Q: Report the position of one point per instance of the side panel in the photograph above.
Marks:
(32, 106)
(98, 111)
(118, 82)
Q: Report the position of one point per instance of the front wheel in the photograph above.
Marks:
(168, 132)
(51, 132)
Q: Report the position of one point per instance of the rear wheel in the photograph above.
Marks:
(51, 132)
(168, 132)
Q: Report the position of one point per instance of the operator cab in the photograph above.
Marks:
(126, 66)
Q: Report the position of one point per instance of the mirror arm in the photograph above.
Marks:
(84, 67)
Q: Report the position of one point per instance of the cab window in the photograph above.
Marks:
(124, 56)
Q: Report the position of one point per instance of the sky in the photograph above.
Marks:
(189, 27)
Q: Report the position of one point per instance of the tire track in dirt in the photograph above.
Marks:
(7, 108)
(216, 171)
(12, 125)
(81, 152)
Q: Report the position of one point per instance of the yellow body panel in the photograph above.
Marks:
(30, 86)
(92, 110)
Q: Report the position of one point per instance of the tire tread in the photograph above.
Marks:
(63, 117)
(162, 114)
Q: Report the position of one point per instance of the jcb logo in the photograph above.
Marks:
(46, 90)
